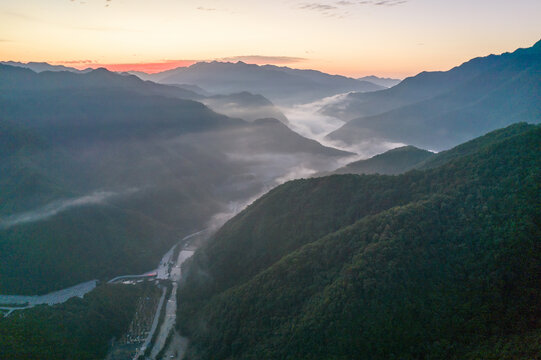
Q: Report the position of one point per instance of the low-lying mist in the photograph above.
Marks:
(58, 206)
(309, 121)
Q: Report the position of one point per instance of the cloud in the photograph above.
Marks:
(308, 121)
(107, 2)
(325, 9)
(148, 67)
(262, 59)
(202, 8)
(74, 62)
(383, 2)
(338, 8)
(163, 65)
(51, 209)
(317, 7)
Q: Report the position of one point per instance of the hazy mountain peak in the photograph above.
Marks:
(386, 82)
(100, 70)
(440, 109)
(279, 84)
(40, 66)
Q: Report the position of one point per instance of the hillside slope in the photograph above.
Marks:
(392, 162)
(440, 263)
(77, 329)
(405, 158)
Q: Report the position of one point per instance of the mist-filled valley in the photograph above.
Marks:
(91, 148)
(227, 210)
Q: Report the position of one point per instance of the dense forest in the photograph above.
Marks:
(75, 330)
(392, 162)
(438, 263)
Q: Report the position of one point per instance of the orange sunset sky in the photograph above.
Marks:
(395, 38)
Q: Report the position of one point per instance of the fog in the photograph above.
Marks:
(58, 206)
(246, 111)
(265, 172)
(309, 121)
(233, 208)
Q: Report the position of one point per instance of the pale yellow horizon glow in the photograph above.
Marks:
(353, 38)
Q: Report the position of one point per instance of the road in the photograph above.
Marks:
(171, 307)
(168, 269)
(176, 348)
(153, 327)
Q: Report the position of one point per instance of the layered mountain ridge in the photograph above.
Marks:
(438, 110)
(435, 263)
(102, 172)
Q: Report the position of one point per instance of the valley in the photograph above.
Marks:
(226, 210)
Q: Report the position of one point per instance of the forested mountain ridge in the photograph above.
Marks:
(440, 263)
(392, 162)
(402, 159)
(77, 329)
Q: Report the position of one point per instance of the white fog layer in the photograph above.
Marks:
(55, 207)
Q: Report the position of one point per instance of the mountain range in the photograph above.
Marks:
(43, 66)
(440, 263)
(102, 172)
(244, 104)
(437, 110)
(409, 254)
(282, 85)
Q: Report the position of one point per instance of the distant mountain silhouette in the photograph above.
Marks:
(282, 85)
(423, 86)
(245, 105)
(437, 110)
(386, 82)
(43, 66)
(152, 77)
(18, 78)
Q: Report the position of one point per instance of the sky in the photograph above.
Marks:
(392, 38)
